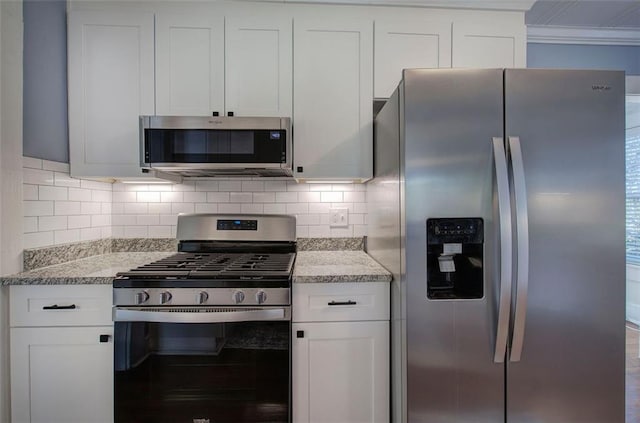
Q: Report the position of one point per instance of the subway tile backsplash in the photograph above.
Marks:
(59, 209)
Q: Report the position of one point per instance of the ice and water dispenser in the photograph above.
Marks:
(455, 258)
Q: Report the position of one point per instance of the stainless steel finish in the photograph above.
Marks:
(203, 227)
(261, 297)
(191, 296)
(522, 231)
(199, 314)
(238, 297)
(214, 122)
(506, 263)
(141, 297)
(165, 297)
(571, 127)
(202, 297)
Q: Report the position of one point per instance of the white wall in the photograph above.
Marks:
(10, 171)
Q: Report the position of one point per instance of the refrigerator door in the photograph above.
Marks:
(448, 171)
(570, 126)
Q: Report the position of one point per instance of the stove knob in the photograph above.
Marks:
(238, 297)
(142, 297)
(261, 297)
(165, 297)
(202, 298)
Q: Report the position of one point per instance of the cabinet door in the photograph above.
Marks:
(259, 69)
(332, 97)
(110, 66)
(340, 372)
(189, 64)
(61, 375)
(405, 45)
(485, 45)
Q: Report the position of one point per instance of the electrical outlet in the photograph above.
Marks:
(339, 218)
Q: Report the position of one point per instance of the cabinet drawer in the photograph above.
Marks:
(60, 305)
(334, 302)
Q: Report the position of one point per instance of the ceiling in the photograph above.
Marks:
(585, 13)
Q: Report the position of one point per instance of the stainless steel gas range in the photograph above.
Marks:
(203, 336)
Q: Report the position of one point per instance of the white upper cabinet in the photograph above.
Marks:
(111, 74)
(189, 64)
(405, 44)
(489, 45)
(259, 69)
(333, 94)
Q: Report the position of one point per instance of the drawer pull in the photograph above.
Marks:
(339, 303)
(57, 307)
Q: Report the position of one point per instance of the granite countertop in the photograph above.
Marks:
(337, 266)
(100, 269)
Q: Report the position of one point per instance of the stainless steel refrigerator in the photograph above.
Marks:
(498, 203)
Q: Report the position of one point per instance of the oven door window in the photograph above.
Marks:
(214, 146)
(222, 372)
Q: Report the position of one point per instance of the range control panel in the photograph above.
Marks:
(237, 225)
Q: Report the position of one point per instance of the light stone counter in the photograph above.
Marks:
(337, 266)
(100, 269)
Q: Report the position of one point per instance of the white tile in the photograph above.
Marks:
(119, 186)
(279, 208)
(294, 186)
(230, 186)
(240, 197)
(53, 193)
(286, 197)
(319, 207)
(38, 208)
(66, 208)
(159, 208)
(37, 239)
(84, 183)
(319, 231)
(117, 208)
(182, 208)
(168, 219)
(136, 187)
(195, 197)
(348, 206)
(79, 194)
(360, 208)
(309, 197)
(87, 234)
(342, 187)
(37, 176)
(295, 208)
(117, 231)
(90, 208)
(100, 220)
(83, 221)
(229, 208)
(123, 219)
(52, 223)
(148, 219)
(206, 208)
(359, 230)
(124, 197)
(356, 219)
(325, 219)
(354, 197)
(32, 163)
(252, 186)
(207, 186)
(217, 197)
(360, 187)
(136, 208)
(186, 186)
(101, 196)
(64, 180)
(302, 231)
(105, 232)
(136, 232)
(330, 197)
(161, 187)
(64, 237)
(55, 166)
(173, 232)
(319, 187)
(252, 208)
(308, 219)
(159, 231)
(342, 232)
(149, 197)
(29, 224)
(172, 197)
(29, 192)
(275, 186)
(106, 208)
(264, 197)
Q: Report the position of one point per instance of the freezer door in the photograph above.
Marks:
(570, 125)
(451, 118)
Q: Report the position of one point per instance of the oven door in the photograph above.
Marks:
(202, 364)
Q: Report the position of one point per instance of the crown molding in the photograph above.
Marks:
(583, 35)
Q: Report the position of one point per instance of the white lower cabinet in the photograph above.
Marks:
(341, 368)
(61, 354)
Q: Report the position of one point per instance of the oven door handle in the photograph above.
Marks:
(204, 315)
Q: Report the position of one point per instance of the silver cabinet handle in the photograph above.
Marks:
(522, 258)
(504, 211)
(201, 315)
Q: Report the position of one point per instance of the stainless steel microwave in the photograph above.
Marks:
(216, 146)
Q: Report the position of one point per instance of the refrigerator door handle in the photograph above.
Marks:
(522, 232)
(506, 262)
